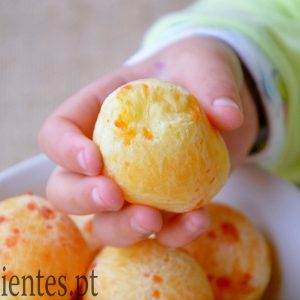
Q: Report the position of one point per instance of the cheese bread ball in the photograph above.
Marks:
(159, 146)
(85, 226)
(148, 271)
(36, 240)
(234, 254)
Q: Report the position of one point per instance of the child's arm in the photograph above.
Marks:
(265, 34)
(210, 70)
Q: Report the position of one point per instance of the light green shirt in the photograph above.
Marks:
(274, 26)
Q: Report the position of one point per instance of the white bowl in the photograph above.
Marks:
(274, 205)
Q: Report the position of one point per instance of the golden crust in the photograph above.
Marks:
(234, 254)
(148, 271)
(85, 226)
(159, 146)
(33, 237)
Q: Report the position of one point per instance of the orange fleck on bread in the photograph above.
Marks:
(142, 272)
(35, 237)
(85, 226)
(234, 255)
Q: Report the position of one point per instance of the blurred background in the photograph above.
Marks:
(50, 49)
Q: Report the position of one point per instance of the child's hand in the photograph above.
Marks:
(207, 68)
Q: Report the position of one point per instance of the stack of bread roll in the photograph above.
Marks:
(158, 145)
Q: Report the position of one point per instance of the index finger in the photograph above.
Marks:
(66, 135)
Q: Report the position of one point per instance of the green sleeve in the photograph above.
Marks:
(274, 26)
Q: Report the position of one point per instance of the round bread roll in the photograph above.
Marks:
(38, 246)
(147, 271)
(158, 145)
(85, 226)
(234, 255)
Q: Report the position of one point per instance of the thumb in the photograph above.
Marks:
(214, 76)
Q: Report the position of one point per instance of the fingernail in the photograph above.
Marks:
(197, 223)
(82, 161)
(225, 102)
(136, 226)
(152, 236)
(99, 200)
